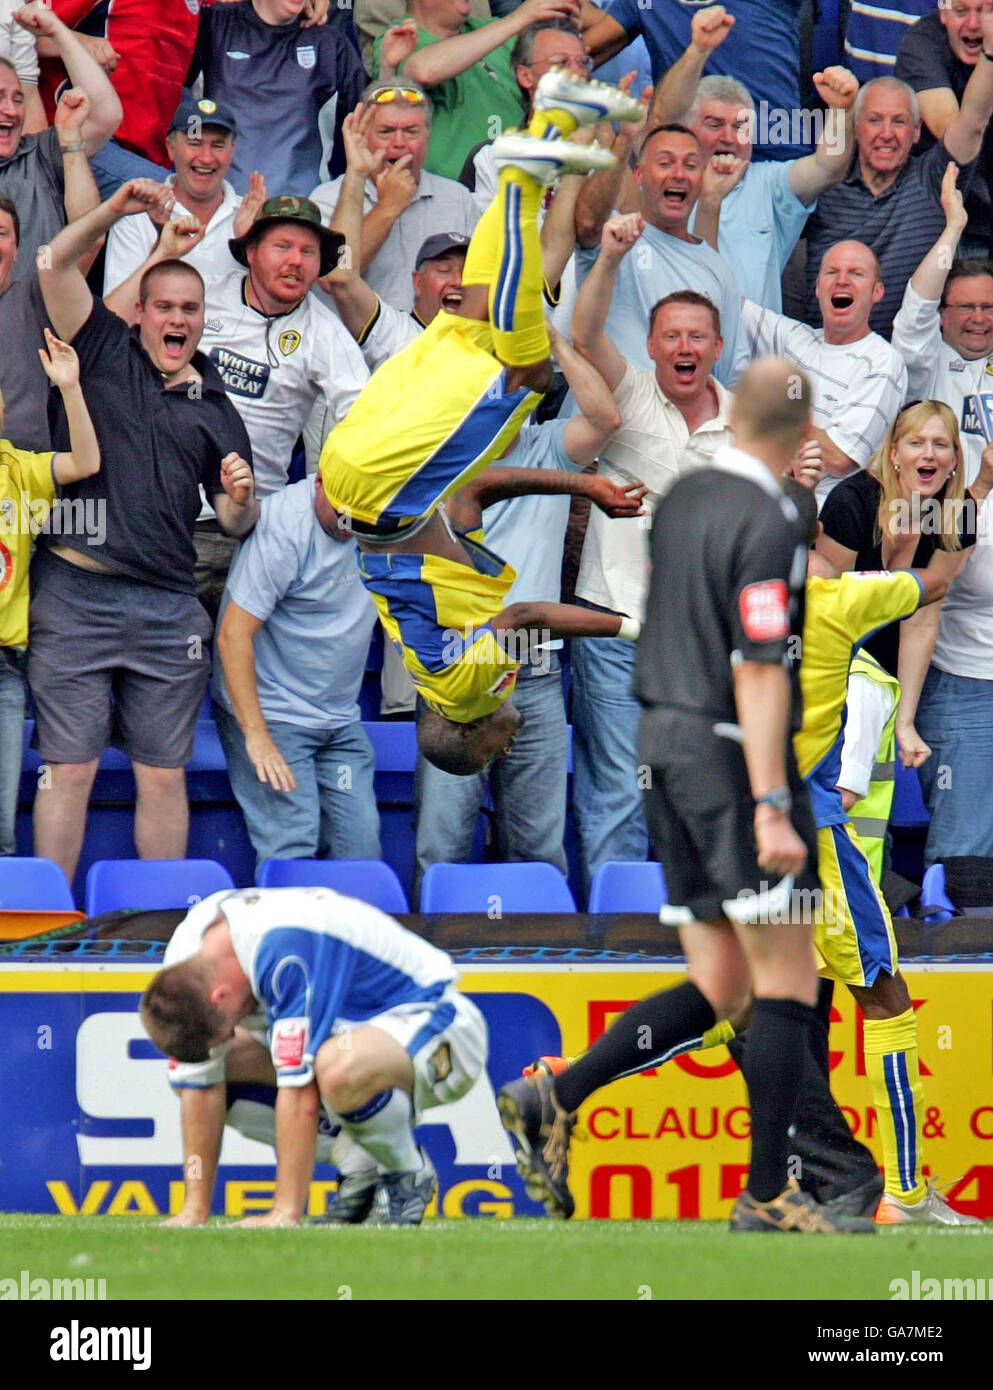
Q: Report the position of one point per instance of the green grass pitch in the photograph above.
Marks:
(494, 1259)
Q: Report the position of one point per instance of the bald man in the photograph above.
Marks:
(858, 381)
(730, 822)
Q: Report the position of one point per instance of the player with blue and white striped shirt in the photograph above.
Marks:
(362, 1016)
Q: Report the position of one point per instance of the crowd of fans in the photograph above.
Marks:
(234, 212)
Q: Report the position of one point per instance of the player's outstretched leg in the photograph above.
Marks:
(505, 251)
(534, 1111)
(539, 1126)
(898, 1097)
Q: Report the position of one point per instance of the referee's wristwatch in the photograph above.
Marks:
(779, 799)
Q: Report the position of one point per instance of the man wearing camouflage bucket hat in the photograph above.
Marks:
(288, 207)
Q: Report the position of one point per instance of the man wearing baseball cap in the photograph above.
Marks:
(277, 348)
(382, 329)
(200, 142)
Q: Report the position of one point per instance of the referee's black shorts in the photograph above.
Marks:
(700, 814)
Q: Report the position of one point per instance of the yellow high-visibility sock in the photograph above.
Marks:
(898, 1097)
(505, 255)
(542, 123)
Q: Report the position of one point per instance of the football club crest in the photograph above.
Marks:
(307, 55)
(440, 1064)
(289, 341)
(193, 6)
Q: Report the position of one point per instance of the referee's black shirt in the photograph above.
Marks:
(728, 572)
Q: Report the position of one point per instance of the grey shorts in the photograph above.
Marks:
(113, 661)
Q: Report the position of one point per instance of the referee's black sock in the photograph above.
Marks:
(778, 1039)
(642, 1033)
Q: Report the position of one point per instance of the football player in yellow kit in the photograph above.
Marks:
(433, 417)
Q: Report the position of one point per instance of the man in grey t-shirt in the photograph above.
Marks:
(33, 168)
(293, 635)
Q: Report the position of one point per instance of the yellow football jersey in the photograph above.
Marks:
(840, 614)
(27, 491)
(437, 613)
(426, 422)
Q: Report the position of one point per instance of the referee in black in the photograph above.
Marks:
(727, 811)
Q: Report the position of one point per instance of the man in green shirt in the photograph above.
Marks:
(465, 64)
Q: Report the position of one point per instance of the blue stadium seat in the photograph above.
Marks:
(112, 884)
(368, 879)
(934, 894)
(33, 885)
(519, 887)
(619, 887)
(908, 799)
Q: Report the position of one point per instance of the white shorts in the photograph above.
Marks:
(448, 1042)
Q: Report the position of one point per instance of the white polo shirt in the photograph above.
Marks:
(131, 240)
(440, 205)
(653, 446)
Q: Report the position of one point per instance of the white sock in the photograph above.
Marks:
(383, 1128)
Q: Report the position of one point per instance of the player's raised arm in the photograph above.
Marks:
(541, 621)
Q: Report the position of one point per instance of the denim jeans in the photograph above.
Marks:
(333, 811)
(605, 795)
(12, 690)
(955, 717)
(528, 788)
(114, 165)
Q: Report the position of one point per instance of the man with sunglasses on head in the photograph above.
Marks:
(466, 65)
(404, 204)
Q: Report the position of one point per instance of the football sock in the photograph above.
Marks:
(550, 124)
(777, 1042)
(383, 1127)
(898, 1098)
(505, 255)
(642, 1035)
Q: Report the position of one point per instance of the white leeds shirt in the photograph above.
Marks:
(936, 372)
(388, 332)
(858, 387)
(653, 446)
(274, 369)
(132, 239)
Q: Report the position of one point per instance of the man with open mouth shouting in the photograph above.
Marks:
(118, 651)
(859, 381)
